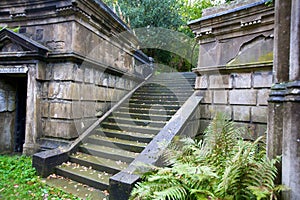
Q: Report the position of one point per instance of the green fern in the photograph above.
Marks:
(222, 166)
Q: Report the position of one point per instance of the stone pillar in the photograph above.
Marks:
(32, 113)
(281, 39)
(291, 126)
(295, 41)
(280, 76)
(275, 124)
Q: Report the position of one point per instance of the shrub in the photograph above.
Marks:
(221, 166)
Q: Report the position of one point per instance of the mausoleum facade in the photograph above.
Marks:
(68, 62)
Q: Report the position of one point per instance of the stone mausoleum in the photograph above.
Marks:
(249, 67)
(235, 62)
(68, 63)
(64, 66)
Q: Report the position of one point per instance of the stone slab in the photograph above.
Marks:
(242, 97)
(241, 113)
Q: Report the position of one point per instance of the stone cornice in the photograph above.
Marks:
(95, 12)
(233, 68)
(237, 20)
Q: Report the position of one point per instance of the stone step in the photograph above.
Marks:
(98, 163)
(52, 143)
(108, 152)
(132, 136)
(130, 127)
(164, 90)
(127, 145)
(190, 82)
(177, 75)
(159, 97)
(135, 121)
(145, 116)
(172, 80)
(77, 189)
(159, 93)
(158, 110)
(144, 105)
(84, 175)
(156, 101)
(171, 86)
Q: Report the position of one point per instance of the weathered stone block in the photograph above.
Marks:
(242, 80)
(241, 113)
(262, 96)
(64, 90)
(82, 124)
(98, 77)
(220, 81)
(205, 111)
(88, 75)
(45, 109)
(88, 92)
(41, 71)
(44, 92)
(242, 97)
(101, 93)
(48, 72)
(202, 82)
(120, 83)
(220, 96)
(207, 96)
(260, 129)
(78, 73)
(259, 114)
(109, 94)
(249, 132)
(112, 81)
(227, 110)
(63, 71)
(90, 109)
(60, 129)
(262, 79)
(60, 110)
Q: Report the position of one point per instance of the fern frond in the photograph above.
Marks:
(175, 192)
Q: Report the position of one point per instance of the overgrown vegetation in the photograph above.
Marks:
(222, 166)
(168, 14)
(18, 180)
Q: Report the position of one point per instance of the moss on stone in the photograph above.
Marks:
(266, 57)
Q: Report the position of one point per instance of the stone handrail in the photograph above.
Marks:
(184, 122)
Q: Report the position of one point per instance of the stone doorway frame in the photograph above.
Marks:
(22, 55)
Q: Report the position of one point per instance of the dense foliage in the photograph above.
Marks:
(168, 14)
(18, 180)
(222, 166)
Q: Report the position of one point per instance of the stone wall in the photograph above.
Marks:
(235, 63)
(242, 96)
(75, 95)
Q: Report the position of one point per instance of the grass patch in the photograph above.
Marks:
(18, 180)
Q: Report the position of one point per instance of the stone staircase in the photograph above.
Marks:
(117, 141)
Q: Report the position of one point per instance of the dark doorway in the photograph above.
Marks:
(20, 120)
